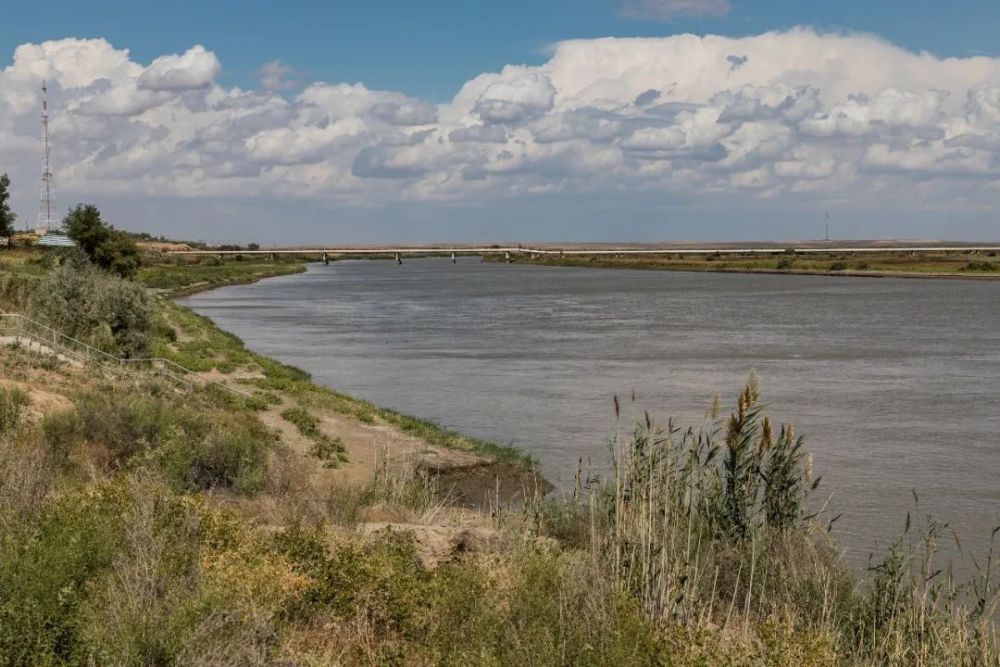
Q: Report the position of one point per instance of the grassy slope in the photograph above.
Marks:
(201, 346)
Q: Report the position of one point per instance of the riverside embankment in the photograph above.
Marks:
(894, 382)
(144, 523)
(475, 469)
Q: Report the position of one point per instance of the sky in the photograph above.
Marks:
(584, 120)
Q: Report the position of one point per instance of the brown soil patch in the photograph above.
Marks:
(440, 544)
(487, 483)
(40, 401)
(467, 479)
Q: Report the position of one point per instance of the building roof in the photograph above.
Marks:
(56, 240)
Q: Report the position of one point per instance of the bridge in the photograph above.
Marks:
(326, 252)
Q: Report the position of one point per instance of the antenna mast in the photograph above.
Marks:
(47, 210)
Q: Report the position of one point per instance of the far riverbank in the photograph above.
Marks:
(926, 265)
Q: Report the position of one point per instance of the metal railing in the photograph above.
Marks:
(18, 326)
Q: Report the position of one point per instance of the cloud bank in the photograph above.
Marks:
(782, 116)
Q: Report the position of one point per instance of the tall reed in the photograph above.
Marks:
(714, 530)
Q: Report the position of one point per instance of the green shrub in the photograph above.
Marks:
(838, 266)
(12, 404)
(307, 424)
(195, 448)
(105, 311)
(47, 564)
(532, 607)
(329, 450)
(16, 290)
(570, 523)
(231, 454)
(383, 579)
(257, 402)
(981, 266)
(161, 329)
(562, 612)
(125, 425)
(127, 573)
(62, 432)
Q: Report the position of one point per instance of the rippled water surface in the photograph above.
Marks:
(895, 383)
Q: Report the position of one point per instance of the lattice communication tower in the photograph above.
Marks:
(47, 210)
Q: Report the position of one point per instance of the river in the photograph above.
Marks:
(895, 383)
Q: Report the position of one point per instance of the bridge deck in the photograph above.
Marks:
(632, 250)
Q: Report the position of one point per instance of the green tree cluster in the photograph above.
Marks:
(109, 248)
(7, 216)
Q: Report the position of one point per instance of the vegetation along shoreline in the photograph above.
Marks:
(922, 265)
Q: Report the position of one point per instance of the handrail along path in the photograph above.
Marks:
(19, 326)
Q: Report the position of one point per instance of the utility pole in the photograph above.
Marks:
(47, 209)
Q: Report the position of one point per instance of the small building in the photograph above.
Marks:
(53, 239)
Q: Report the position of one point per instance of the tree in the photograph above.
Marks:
(107, 247)
(7, 216)
(118, 254)
(83, 224)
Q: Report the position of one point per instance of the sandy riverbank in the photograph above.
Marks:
(467, 474)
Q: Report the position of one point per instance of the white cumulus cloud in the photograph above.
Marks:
(791, 114)
(516, 97)
(195, 68)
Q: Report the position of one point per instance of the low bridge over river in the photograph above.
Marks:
(327, 252)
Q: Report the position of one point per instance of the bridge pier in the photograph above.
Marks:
(453, 260)
(399, 259)
(273, 257)
(506, 256)
(326, 259)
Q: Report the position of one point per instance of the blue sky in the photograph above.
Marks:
(429, 48)
(516, 120)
